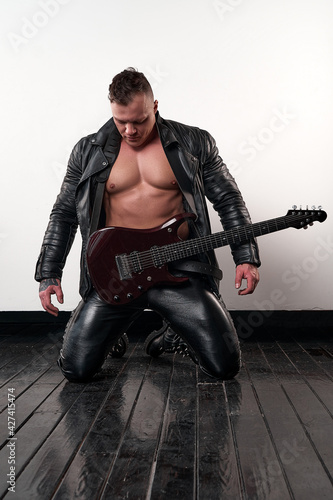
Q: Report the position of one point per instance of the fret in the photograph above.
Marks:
(264, 229)
(249, 232)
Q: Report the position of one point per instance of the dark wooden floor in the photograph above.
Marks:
(158, 429)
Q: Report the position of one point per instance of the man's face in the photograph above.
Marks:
(135, 122)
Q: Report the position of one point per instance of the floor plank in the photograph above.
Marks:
(173, 474)
(217, 462)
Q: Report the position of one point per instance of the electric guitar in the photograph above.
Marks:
(123, 263)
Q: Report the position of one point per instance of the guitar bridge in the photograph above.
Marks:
(123, 267)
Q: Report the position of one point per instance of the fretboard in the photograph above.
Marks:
(234, 236)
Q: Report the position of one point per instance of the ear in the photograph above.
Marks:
(155, 106)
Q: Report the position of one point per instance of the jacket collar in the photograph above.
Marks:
(166, 135)
(109, 129)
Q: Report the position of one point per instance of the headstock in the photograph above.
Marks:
(300, 218)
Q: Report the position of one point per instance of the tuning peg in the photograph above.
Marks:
(319, 207)
(313, 207)
(294, 207)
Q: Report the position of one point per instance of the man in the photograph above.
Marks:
(153, 169)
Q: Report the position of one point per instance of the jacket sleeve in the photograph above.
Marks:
(63, 223)
(222, 191)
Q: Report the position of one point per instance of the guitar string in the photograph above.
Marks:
(191, 247)
(177, 250)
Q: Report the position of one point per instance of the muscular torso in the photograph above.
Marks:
(142, 191)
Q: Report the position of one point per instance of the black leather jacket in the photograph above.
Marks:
(199, 170)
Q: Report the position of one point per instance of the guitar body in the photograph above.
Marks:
(104, 247)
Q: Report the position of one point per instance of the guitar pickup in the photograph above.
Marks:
(135, 262)
(123, 267)
(157, 255)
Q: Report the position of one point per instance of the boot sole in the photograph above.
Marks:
(120, 347)
(150, 339)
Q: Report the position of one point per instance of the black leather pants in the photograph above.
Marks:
(193, 311)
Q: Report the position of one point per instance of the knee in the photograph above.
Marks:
(223, 370)
(77, 374)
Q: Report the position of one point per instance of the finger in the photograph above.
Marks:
(251, 286)
(51, 309)
(59, 294)
(45, 298)
(238, 278)
(246, 291)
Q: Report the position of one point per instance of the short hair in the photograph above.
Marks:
(127, 84)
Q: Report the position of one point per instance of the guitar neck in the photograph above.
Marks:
(234, 236)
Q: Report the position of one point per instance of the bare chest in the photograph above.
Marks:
(137, 168)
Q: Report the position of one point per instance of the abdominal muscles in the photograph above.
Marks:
(143, 206)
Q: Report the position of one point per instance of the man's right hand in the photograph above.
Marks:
(48, 287)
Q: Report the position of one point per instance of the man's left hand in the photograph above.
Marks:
(247, 272)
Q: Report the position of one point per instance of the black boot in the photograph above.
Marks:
(166, 340)
(119, 348)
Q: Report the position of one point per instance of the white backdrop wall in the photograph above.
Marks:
(257, 74)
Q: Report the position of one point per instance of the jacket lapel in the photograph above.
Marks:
(106, 143)
(178, 161)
